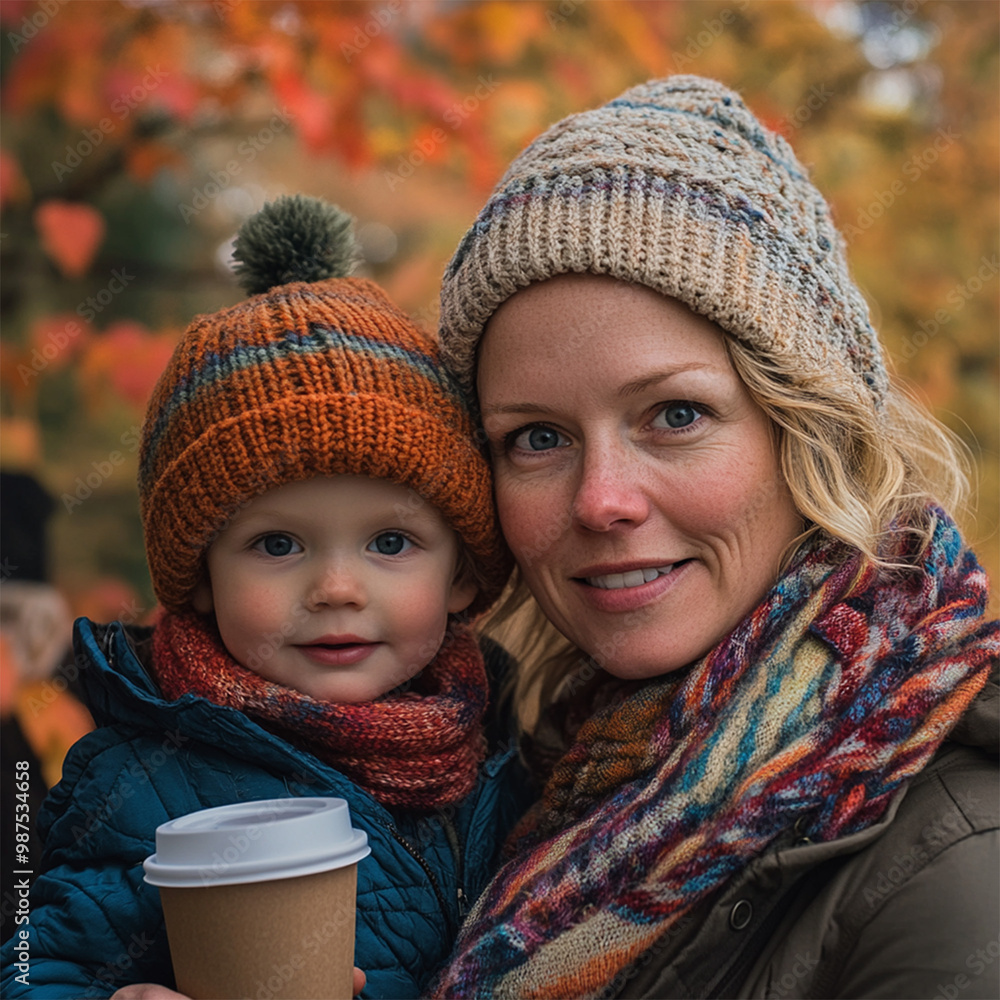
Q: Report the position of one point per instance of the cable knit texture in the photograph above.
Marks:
(418, 749)
(677, 186)
(307, 379)
(835, 690)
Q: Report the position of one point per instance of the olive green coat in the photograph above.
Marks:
(908, 908)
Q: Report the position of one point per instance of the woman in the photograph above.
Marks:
(768, 732)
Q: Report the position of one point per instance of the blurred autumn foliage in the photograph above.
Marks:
(137, 136)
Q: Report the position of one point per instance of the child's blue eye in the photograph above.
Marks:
(390, 543)
(277, 545)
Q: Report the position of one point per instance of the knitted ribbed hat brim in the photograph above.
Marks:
(263, 449)
(676, 186)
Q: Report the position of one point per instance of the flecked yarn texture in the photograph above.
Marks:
(416, 749)
(677, 186)
(308, 379)
(837, 688)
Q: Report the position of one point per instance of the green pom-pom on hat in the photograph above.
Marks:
(295, 238)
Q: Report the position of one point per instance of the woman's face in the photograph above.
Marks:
(636, 478)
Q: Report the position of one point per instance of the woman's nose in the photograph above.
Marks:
(336, 584)
(609, 493)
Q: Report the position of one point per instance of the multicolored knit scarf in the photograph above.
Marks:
(420, 749)
(836, 689)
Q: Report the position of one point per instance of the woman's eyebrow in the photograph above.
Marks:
(638, 385)
(517, 408)
(630, 388)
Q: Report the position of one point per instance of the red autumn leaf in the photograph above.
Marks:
(310, 110)
(178, 95)
(106, 599)
(56, 339)
(129, 359)
(70, 233)
(130, 93)
(12, 11)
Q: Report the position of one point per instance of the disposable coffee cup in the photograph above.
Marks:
(259, 899)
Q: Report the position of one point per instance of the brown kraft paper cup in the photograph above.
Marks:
(259, 899)
(290, 939)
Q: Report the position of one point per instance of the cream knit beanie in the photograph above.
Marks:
(677, 186)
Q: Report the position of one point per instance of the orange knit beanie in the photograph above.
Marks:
(314, 377)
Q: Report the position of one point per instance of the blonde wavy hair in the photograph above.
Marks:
(854, 473)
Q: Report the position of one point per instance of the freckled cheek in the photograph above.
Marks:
(736, 504)
(532, 518)
(714, 504)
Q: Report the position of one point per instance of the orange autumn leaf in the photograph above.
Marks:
(80, 99)
(638, 30)
(18, 376)
(70, 234)
(52, 720)
(144, 161)
(507, 30)
(13, 186)
(10, 676)
(21, 442)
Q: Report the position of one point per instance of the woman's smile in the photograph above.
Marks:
(621, 407)
(619, 577)
(629, 589)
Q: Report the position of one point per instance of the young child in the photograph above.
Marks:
(317, 515)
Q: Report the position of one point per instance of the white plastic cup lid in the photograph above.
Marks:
(255, 842)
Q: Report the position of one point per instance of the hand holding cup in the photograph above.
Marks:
(259, 898)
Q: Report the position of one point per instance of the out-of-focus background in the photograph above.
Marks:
(137, 135)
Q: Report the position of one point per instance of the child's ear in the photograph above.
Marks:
(464, 591)
(201, 597)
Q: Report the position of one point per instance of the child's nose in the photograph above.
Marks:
(336, 585)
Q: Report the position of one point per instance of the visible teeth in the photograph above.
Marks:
(633, 578)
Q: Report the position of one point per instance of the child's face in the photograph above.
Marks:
(339, 587)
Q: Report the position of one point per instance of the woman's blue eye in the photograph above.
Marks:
(278, 545)
(678, 415)
(390, 543)
(538, 438)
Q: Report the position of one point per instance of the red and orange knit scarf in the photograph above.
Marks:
(418, 749)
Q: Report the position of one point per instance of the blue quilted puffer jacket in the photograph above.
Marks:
(95, 925)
